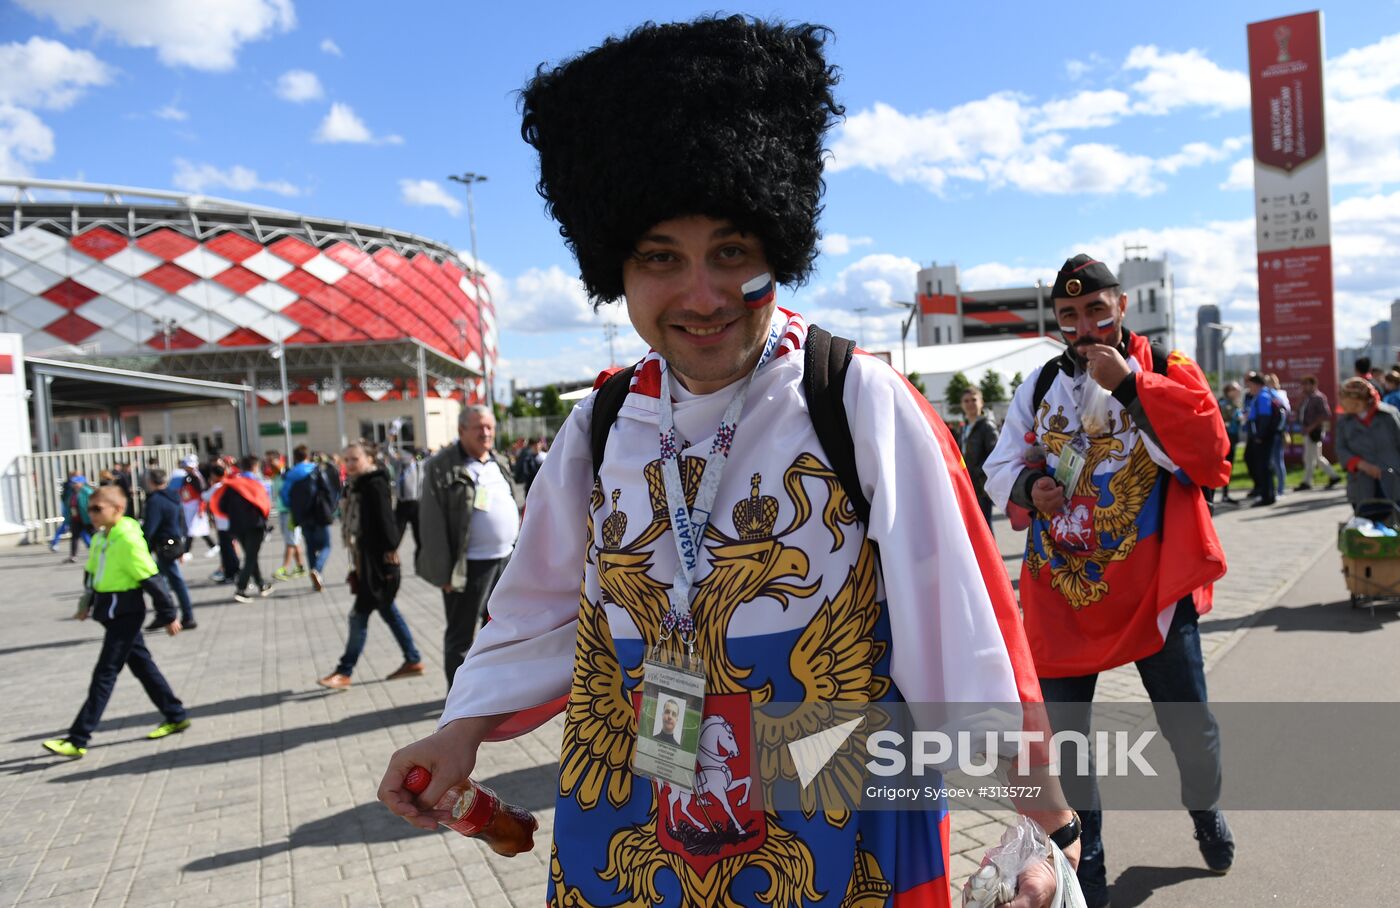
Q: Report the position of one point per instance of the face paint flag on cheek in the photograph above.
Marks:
(1104, 322)
(758, 291)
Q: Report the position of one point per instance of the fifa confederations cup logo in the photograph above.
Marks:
(1282, 35)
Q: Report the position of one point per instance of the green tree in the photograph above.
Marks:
(550, 404)
(957, 385)
(522, 407)
(1016, 381)
(918, 383)
(992, 390)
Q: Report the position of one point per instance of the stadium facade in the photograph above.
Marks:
(380, 331)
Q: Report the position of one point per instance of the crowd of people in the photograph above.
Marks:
(462, 504)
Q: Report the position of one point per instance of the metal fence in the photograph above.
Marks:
(40, 479)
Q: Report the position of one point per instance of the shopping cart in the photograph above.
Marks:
(1371, 564)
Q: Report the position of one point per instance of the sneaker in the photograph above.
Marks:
(335, 681)
(64, 748)
(316, 583)
(218, 577)
(299, 571)
(407, 670)
(212, 552)
(265, 590)
(169, 728)
(54, 548)
(1213, 835)
(188, 625)
(185, 558)
(1333, 483)
(1303, 487)
(69, 560)
(242, 596)
(281, 574)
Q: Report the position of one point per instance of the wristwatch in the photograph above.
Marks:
(1067, 834)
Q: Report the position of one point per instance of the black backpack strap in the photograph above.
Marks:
(1043, 381)
(606, 405)
(1159, 359)
(823, 383)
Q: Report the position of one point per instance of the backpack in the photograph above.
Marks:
(823, 381)
(1046, 378)
(312, 500)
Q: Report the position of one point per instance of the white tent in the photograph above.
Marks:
(937, 363)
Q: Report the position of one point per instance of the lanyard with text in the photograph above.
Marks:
(673, 683)
(688, 524)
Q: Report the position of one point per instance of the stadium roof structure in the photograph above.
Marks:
(190, 284)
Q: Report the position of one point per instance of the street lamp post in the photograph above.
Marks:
(1224, 331)
(470, 179)
(279, 353)
(904, 333)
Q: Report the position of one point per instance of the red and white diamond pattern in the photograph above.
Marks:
(102, 288)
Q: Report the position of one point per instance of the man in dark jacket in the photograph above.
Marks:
(163, 525)
(469, 513)
(245, 501)
(979, 438)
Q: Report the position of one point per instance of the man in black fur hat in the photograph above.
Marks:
(683, 163)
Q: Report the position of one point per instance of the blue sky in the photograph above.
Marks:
(998, 137)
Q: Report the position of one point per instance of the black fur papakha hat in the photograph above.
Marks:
(722, 117)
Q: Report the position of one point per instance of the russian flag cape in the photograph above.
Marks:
(791, 604)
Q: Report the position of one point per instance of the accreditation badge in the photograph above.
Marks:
(1071, 463)
(482, 500)
(668, 721)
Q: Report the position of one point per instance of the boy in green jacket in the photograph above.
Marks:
(119, 569)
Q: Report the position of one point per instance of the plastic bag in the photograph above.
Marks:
(1021, 846)
(1093, 409)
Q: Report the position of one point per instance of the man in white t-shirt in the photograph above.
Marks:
(469, 515)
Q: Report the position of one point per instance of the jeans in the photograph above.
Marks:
(318, 546)
(359, 630)
(251, 542)
(170, 570)
(1173, 674)
(1280, 474)
(1312, 459)
(463, 610)
(123, 645)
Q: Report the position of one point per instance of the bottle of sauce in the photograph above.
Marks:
(479, 813)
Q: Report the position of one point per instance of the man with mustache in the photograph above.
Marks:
(1119, 565)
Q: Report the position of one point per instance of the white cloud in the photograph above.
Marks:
(841, 244)
(48, 74)
(298, 85)
(1365, 71)
(24, 140)
(1086, 110)
(202, 177)
(1173, 80)
(198, 35)
(1194, 154)
(1241, 175)
(330, 47)
(875, 283)
(428, 193)
(996, 276)
(543, 300)
(342, 124)
(1089, 168)
(1078, 69)
(580, 357)
(172, 111)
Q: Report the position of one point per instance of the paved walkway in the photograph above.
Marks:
(269, 798)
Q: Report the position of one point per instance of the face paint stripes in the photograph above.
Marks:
(1066, 329)
(1104, 322)
(758, 291)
